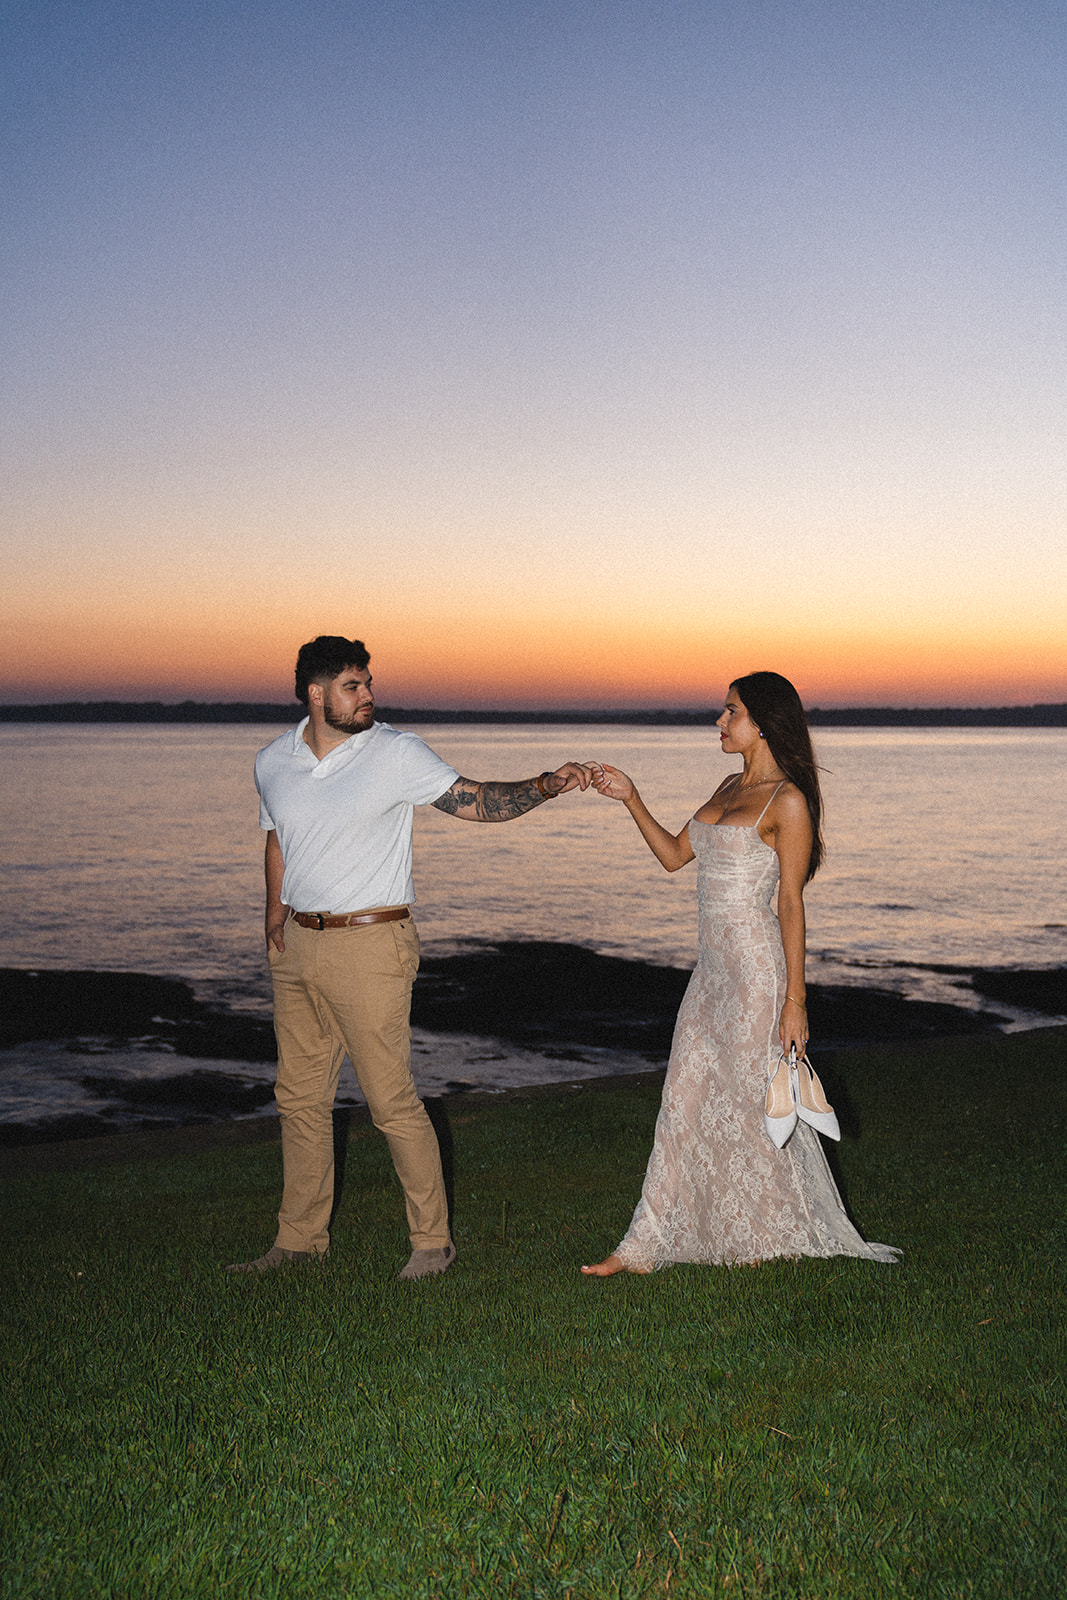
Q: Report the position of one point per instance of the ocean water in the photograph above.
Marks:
(138, 848)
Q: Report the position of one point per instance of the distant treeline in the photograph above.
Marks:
(1043, 716)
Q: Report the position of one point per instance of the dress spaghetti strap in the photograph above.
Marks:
(766, 808)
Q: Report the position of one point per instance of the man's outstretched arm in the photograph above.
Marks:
(501, 802)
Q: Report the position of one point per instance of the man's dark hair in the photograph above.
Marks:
(325, 657)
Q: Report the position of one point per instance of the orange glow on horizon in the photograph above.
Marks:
(498, 663)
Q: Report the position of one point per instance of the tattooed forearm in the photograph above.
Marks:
(490, 802)
(499, 802)
(461, 797)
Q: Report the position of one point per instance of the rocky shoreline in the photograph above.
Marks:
(559, 1002)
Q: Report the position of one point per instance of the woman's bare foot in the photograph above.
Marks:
(609, 1266)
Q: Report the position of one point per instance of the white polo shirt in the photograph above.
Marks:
(344, 823)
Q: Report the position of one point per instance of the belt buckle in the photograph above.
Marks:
(322, 921)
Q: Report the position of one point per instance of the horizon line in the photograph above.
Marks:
(1044, 713)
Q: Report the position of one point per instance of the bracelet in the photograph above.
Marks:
(549, 794)
(796, 1002)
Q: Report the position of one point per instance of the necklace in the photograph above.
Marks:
(756, 785)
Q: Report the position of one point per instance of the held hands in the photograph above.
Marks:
(610, 782)
(572, 775)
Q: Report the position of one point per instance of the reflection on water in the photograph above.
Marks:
(130, 847)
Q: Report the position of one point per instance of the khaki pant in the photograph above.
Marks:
(349, 989)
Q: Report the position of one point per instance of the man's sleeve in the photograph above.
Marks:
(425, 776)
(266, 822)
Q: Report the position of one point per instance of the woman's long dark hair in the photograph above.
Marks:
(775, 708)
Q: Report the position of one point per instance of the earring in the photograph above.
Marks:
(761, 736)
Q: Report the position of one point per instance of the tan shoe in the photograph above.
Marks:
(426, 1263)
(275, 1257)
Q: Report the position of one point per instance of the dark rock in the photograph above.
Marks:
(55, 1005)
(551, 996)
(532, 994)
(1034, 991)
(839, 1015)
(120, 1006)
(225, 1038)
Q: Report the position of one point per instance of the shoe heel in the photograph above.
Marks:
(780, 1109)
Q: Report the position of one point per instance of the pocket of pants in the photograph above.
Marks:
(406, 940)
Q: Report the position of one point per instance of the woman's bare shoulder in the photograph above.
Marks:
(788, 799)
(788, 810)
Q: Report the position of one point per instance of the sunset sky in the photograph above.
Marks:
(570, 352)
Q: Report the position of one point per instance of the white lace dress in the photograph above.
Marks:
(716, 1189)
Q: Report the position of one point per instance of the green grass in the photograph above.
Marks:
(809, 1428)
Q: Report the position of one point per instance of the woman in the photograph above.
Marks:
(734, 1176)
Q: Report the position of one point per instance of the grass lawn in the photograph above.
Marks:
(809, 1428)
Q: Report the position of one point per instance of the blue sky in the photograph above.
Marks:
(524, 340)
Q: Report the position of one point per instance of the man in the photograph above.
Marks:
(337, 795)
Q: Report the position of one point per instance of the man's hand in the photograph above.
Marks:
(572, 775)
(277, 917)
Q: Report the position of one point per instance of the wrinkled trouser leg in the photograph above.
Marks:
(349, 989)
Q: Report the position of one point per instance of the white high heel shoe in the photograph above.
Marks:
(809, 1099)
(780, 1112)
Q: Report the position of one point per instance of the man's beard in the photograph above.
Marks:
(358, 722)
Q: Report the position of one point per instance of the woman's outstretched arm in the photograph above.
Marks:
(671, 850)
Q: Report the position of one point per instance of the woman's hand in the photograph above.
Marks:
(793, 1027)
(610, 782)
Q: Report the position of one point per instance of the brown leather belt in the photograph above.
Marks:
(322, 920)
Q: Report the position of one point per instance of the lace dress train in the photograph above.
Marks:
(716, 1189)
